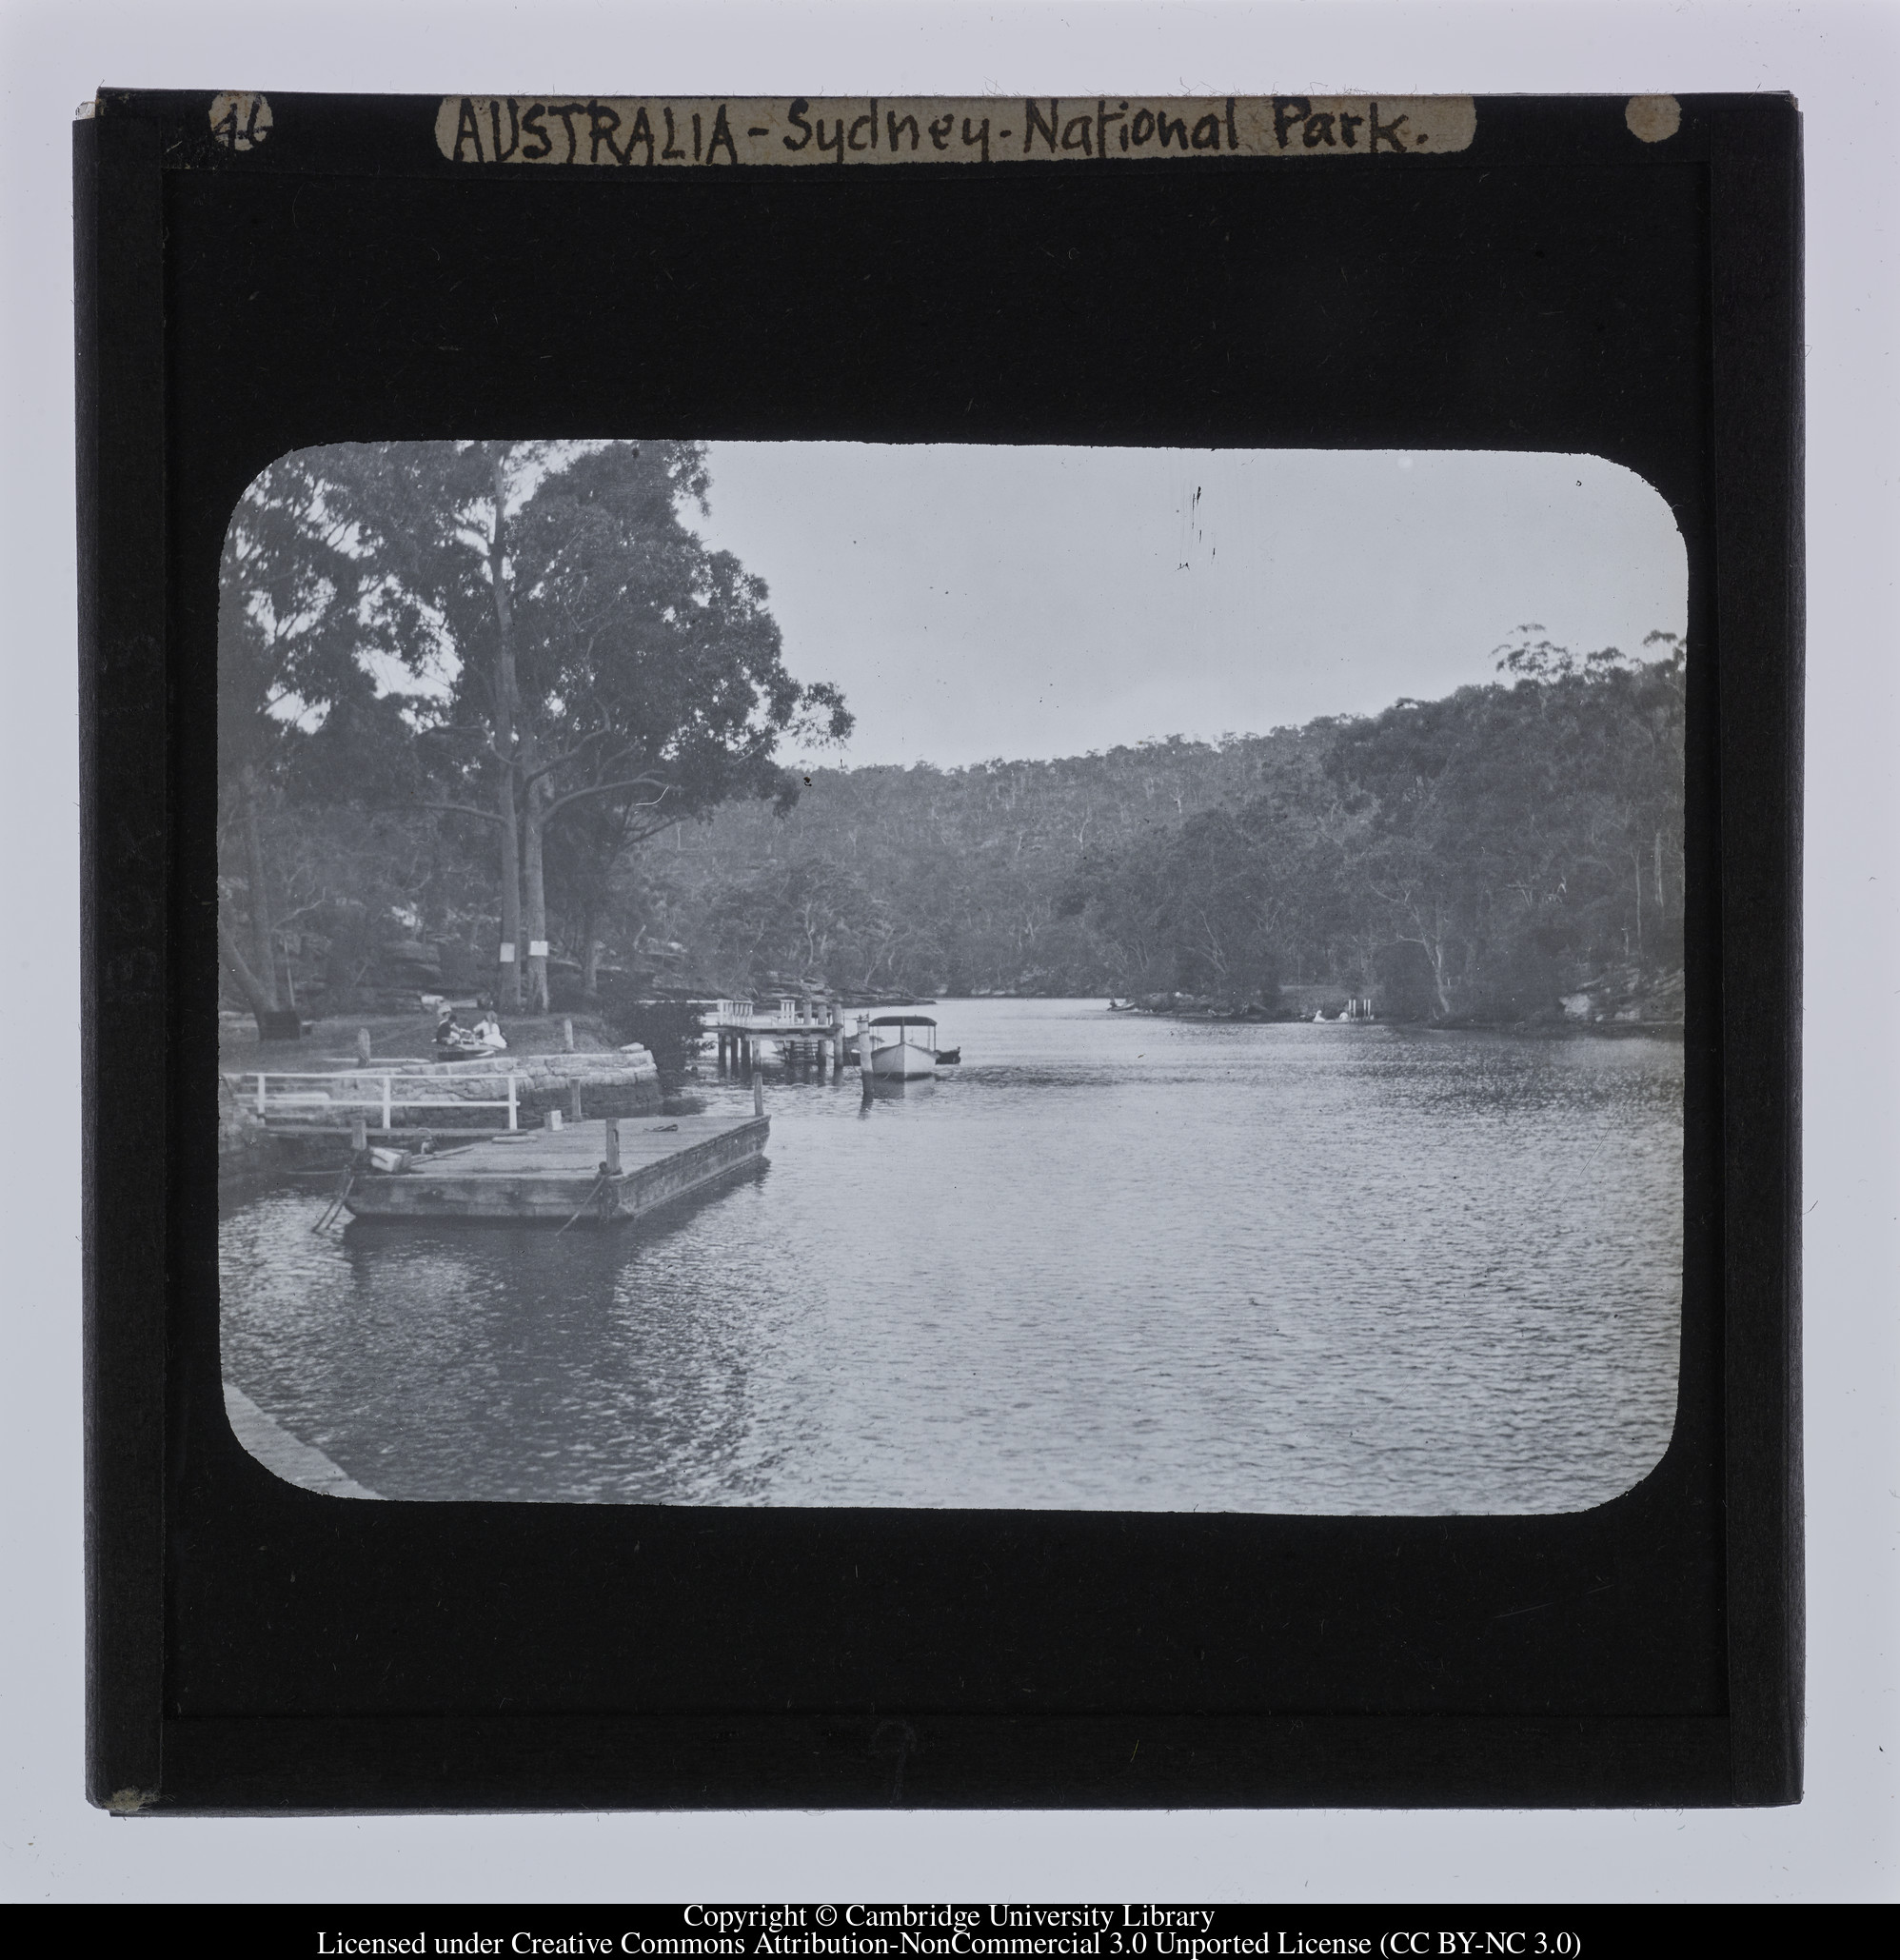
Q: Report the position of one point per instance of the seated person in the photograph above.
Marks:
(488, 1031)
(450, 1037)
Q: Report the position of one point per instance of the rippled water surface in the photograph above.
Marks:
(1111, 1262)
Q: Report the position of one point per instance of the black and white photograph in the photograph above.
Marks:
(939, 975)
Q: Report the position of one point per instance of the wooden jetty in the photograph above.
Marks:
(804, 1030)
(600, 1173)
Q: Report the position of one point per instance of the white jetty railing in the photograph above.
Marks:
(799, 1012)
(386, 1098)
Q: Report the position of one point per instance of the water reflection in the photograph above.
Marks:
(1108, 1262)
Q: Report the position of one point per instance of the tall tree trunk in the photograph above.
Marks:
(256, 997)
(263, 951)
(1432, 939)
(511, 894)
(534, 895)
(590, 951)
(507, 705)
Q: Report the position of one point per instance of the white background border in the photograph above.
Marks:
(1843, 62)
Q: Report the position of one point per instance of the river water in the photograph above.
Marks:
(1111, 1262)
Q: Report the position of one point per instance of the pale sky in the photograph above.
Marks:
(976, 601)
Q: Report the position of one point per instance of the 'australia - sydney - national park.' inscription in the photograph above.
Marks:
(730, 130)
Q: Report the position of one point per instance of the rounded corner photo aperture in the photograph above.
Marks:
(952, 975)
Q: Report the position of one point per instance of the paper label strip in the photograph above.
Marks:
(677, 132)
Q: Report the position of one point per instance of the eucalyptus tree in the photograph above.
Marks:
(652, 682)
(430, 523)
(538, 627)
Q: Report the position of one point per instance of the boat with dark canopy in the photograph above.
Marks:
(900, 1047)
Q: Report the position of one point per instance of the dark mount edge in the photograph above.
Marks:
(871, 1760)
(1755, 245)
(1754, 1756)
(124, 846)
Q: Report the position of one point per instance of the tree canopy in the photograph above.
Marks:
(525, 640)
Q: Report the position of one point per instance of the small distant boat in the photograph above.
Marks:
(903, 1046)
(946, 1056)
(1116, 1006)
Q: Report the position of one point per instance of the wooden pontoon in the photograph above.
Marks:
(590, 1173)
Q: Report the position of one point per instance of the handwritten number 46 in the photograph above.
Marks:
(240, 122)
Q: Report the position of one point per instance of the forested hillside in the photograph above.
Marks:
(1481, 856)
(939, 880)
